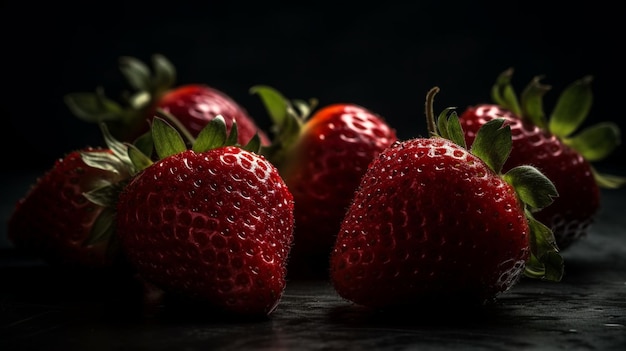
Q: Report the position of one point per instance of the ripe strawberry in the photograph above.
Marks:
(56, 222)
(550, 146)
(433, 221)
(212, 224)
(192, 105)
(322, 159)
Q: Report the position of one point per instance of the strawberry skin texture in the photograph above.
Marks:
(324, 169)
(571, 214)
(53, 220)
(196, 104)
(213, 226)
(429, 221)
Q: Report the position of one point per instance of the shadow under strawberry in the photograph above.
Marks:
(179, 308)
(77, 293)
(447, 312)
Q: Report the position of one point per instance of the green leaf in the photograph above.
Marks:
(532, 103)
(93, 107)
(105, 196)
(303, 108)
(104, 161)
(233, 135)
(138, 158)
(144, 143)
(164, 73)
(493, 144)
(119, 149)
(545, 261)
(140, 100)
(450, 128)
(596, 142)
(212, 135)
(571, 108)
(116, 162)
(542, 239)
(275, 103)
(176, 123)
(167, 140)
(455, 131)
(442, 120)
(288, 118)
(531, 186)
(608, 181)
(503, 94)
(554, 266)
(102, 228)
(550, 267)
(254, 145)
(136, 72)
(289, 132)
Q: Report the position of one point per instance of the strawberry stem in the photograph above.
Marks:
(430, 113)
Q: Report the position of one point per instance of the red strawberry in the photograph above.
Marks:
(550, 146)
(193, 105)
(56, 222)
(212, 224)
(433, 221)
(322, 159)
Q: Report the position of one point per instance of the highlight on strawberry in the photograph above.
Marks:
(434, 223)
(556, 146)
(321, 154)
(211, 224)
(193, 104)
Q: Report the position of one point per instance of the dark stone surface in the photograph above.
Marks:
(41, 308)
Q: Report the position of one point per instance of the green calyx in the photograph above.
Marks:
(125, 115)
(106, 193)
(493, 145)
(288, 118)
(594, 143)
(129, 159)
(168, 140)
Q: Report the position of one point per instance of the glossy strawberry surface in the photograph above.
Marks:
(54, 219)
(212, 226)
(192, 104)
(429, 221)
(323, 170)
(196, 104)
(571, 214)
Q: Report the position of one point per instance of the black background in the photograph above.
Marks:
(383, 55)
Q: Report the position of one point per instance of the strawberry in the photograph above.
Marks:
(212, 224)
(552, 147)
(192, 105)
(321, 157)
(56, 222)
(433, 221)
